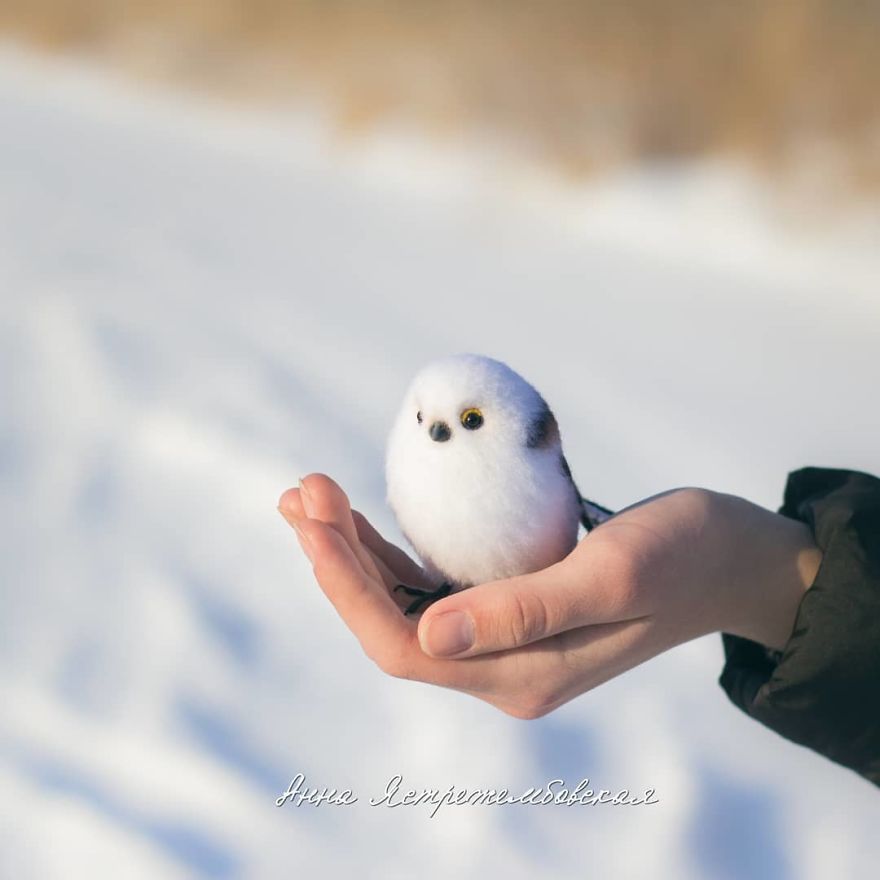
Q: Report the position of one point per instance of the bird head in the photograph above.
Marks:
(469, 403)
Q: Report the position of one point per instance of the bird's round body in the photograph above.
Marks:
(476, 476)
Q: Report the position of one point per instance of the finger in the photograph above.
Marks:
(404, 569)
(361, 601)
(386, 635)
(324, 500)
(390, 580)
(582, 590)
(505, 678)
(290, 506)
(526, 682)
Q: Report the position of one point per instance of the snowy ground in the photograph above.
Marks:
(197, 308)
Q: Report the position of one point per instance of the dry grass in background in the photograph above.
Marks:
(581, 84)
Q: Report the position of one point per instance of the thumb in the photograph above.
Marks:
(510, 613)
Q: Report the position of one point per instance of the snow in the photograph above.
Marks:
(200, 305)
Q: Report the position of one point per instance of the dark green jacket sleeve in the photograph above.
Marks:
(823, 689)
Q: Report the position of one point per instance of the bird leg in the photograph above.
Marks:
(425, 597)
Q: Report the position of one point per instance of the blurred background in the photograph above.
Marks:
(229, 234)
(581, 86)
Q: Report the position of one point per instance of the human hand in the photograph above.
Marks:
(672, 568)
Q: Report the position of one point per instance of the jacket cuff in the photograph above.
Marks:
(823, 689)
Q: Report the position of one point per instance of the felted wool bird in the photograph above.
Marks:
(477, 479)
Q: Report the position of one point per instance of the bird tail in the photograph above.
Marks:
(593, 514)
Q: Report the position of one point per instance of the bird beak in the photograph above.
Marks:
(440, 432)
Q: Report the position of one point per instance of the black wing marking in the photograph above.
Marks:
(592, 514)
(543, 430)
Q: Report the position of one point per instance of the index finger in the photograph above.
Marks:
(368, 610)
(386, 635)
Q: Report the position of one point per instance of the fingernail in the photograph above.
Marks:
(285, 514)
(303, 540)
(449, 634)
(306, 498)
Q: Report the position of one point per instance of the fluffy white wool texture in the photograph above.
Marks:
(483, 504)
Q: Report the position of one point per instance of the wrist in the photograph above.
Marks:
(771, 561)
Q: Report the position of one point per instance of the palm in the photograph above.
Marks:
(358, 570)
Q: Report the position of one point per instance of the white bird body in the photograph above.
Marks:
(476, 476)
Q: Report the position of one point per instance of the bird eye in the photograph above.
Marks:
(419, 417)
(472, 419)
